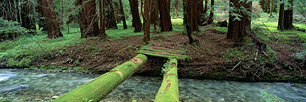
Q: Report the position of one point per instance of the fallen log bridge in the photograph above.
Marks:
(168, 91)
(96, 89)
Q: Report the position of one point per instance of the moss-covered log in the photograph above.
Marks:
(168, 91)
(96, 89)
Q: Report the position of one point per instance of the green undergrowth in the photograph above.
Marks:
(267, 24)
(24, 49)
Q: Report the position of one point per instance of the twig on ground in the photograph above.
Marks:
(240, 61)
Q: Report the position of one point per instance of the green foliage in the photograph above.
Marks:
(11, 27)
(270, 98)
(166, 66)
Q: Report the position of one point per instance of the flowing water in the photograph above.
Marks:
(42, 86)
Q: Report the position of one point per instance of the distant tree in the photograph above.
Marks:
(50, 19)
(7, 12)
(154, 15)
(288, 16)
(190, 17)
(102, 18)
(204, 14)
(281, 16)
(239, 19)
(122, 15)
(266, 5)
(27, 15)
(110, 15)
(211, 15)
(200, 13)
(88, 19)
(147, 9)
(136, 23)
(165, 19)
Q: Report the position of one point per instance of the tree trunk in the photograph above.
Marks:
(154, 15)
(190, 18)
(110, 15)
(271, 7)
(205, 19)
(165, 19)
(147, 21)
(211, 15)
(27, 22)
(102, 18)
(247, 17)
(236, 28)
(136, 23)
(200, 13)
(88, 19)
(288, 17)
(96, 89)
(281, 17)
(50, 18)
(169, 91)
(123, 16)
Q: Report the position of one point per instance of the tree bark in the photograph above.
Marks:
(190, 18)
(165, 19)
(50, 18)
(154, 15)
(168, 91)
(102, 18)
(288, 17)
(26, 21)
(88, 19)
(147, 21)
(205, 19)
(281, 17)
(200, 13)
(110, 15)
(123, 16)
(247, 17)
(236, 28)
(211, 15)
(96, 89)
(136, 23)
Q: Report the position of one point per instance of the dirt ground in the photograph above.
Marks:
(100, 56)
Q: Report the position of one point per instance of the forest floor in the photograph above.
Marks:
(213, 57)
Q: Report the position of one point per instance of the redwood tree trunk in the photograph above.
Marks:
(246, 17)
(200, 13)
(50, 18)
(110, 15)
(281, 17)
(211, 15)
(88, 19)
(288, 17)
(27, 22)
(236, 28)
(165, 19)
(102, 18)
(205, 19)
(190, 18)
(147, 21)
(154, 15)
(122, 16)
(136, 23)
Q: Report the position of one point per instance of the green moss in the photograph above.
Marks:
(5, 100)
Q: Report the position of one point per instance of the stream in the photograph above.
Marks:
(27, 85)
